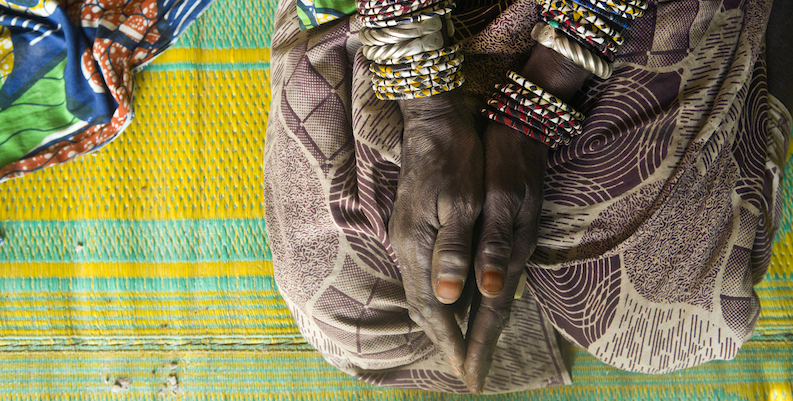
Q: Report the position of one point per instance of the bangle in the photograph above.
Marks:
(541, 93)
(410, 84)
(520, 127)
(547, 36)
(623, 10)
(433, 41)
(524, 98)
(392, 9)
(550, 120)
(532, 111)
(434, 90)
(584, 15)
(425, 56)
(399, 33)
(443, 66)
(405, 40)
(385, 21)
(605, 48)
(530, 122)
(565, 15)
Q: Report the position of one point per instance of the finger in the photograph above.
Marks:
(451, 259)
(489, 320)
(497, 250)
(435, 318)
(494, 251)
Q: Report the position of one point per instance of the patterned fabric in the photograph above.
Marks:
(66, 72)
(657, 221)
(312, 13)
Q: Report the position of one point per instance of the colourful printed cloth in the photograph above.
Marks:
(657, 221)
(66, 72)
(312, 13)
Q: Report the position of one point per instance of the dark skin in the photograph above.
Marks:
(451, 177)
(497, 179)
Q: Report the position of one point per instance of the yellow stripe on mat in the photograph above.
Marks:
(193, 151)
(220, 56)
(136, 269)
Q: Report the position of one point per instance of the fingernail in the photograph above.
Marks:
(453, 364)
(449, 289)
(492, 282)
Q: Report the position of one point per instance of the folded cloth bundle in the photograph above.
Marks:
(66, 73)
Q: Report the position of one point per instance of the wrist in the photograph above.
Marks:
(432, 107)
(554, 72)
(502, 140)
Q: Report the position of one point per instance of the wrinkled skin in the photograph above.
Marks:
(439, 198)
(468, 208)
(513, 176)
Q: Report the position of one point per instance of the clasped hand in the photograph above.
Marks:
(464, 225)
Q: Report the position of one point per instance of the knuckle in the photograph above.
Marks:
(451, 256)
(502, 196)
(500, 316)
(425, 310)
(461, 208)
(495, 252)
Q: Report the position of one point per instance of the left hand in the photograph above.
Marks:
(513, 178)
(439, 196)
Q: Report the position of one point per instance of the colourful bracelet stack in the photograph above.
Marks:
(409, 45)
(529, 109)
(587, 32)
(595, 26)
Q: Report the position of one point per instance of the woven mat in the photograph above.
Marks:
(142, 270)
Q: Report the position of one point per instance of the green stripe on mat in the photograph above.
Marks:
(134, 241)
(231, 25)
(147, 287)
(296, 373)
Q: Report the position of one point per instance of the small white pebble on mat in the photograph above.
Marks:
(79, 247)
(171, 386)
(121, 384)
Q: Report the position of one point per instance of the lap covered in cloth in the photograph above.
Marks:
(656, 222)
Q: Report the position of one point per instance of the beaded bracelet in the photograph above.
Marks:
(524, 98)
(391, 20)
(585, 17)
(531, 110)
(442, 66)
(434, 90)
(537, 112)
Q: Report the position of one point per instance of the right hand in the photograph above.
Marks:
(439, 197)
(513, 180)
